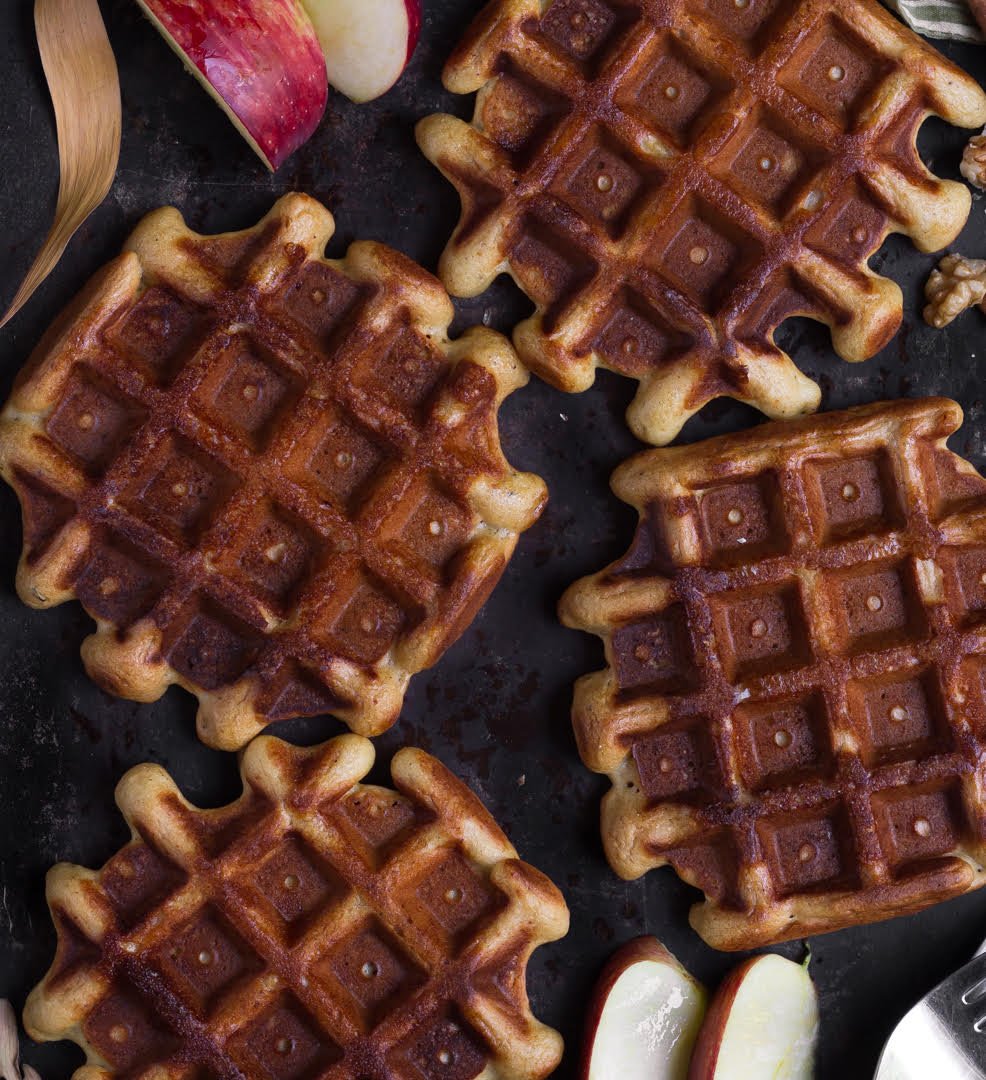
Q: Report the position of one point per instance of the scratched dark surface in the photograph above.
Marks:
(496, 708)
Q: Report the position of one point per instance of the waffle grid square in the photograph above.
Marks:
(731, 165)
(258, 940)
(799, 730)
(287, 475)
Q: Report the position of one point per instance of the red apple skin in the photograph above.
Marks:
(413, 27)
(262, 57)
(637, 951)
(705, 1056)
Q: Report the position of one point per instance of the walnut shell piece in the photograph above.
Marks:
(973, 166)
(958, 284)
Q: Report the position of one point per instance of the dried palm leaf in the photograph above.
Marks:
(85, 91)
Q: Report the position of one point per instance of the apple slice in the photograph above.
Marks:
(367, 43)
(761, 1025)
(260, 60)
(644, 1015)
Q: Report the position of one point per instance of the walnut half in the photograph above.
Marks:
(973, 165)
(957, 285)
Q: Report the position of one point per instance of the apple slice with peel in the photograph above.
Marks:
(260, 59)
(644, 1015)
(761, 1025)
(367, 43)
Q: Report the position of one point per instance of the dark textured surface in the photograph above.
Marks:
(496, 708)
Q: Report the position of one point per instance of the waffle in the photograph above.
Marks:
(269, 477)
(316, 928)
(794, 711)
(669, 180)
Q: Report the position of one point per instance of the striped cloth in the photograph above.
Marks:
(938, 18)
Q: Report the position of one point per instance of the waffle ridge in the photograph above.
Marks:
(318, 927)
(793, 715)
(270, 477)
(670, 180)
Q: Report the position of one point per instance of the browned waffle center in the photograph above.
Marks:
(271, 475)
(794, 714)
(317, 928)
(669, 181)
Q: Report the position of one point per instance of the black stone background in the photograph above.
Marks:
(496, 708)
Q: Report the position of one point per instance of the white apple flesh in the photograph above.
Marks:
(762, 1024)
(644, 1016)
(260, 59)
(367, 43)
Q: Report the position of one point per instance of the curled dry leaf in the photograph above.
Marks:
(9, 1047)
(957, 285)
(10, 1067)
(85, 91)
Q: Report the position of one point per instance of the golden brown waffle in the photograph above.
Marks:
(316, 928)
(794, 712)
(669, 180)
(269, 477)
